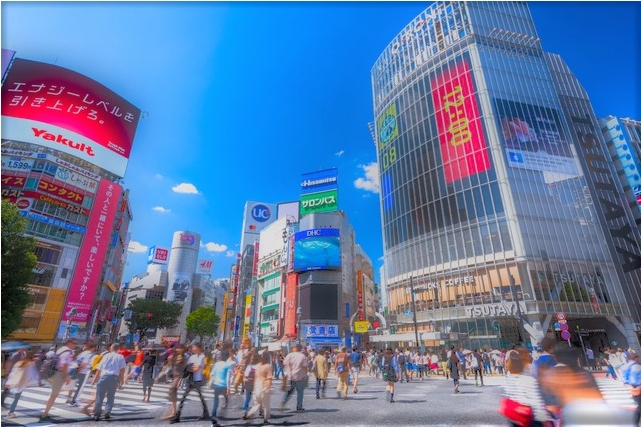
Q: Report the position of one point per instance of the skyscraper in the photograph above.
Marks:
(497, 228)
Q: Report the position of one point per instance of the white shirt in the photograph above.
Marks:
(85, 357)
(197, 360)
(111, 364)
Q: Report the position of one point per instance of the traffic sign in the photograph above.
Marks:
(566, 335)
(563, 326)
(408, 312)
(560, 316)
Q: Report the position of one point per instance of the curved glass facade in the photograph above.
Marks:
(484, 204)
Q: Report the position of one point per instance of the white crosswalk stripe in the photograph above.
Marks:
(128, 401)
(615, 392)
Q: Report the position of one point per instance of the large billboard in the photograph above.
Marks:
(86, 276)
(533, 138)
(158, 255)
(463, 147)
(256, 217)
(54, 107)
(317, 249)
(627, 156)
(319, 191)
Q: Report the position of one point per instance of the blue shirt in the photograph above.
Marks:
(219, 373)
(632, 374)
(355, 358)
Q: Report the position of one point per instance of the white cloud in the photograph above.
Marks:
(185, 188)
(370, 181)
(159, 176)
(230, 254)
(339, 153)
(161, 209)
(136, 248)
(215, 247)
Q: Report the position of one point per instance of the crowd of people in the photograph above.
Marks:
(549, 381)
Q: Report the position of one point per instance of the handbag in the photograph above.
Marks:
(518, 413)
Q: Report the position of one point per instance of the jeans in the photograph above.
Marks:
(193, 385)
(279, 371)
(248, 398)
(16, 397)
(106, 386)
(299, 386)
(80, 382)
(318, 386)
(218, 391)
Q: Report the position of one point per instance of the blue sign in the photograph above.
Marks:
(261, 213)
(315, 182)
(53, 221)
(317, 249)
(408, 312)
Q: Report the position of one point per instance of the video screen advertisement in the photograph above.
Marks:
(54, 107)
(317, 249)
(463, 146)
(86, 276)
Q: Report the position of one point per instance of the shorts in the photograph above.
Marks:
(354, 371)
(57, 381)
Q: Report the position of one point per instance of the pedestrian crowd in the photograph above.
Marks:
(546, 387)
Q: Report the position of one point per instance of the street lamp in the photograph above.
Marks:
(414, 310)
(299, 315)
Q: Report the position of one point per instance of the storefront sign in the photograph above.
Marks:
(504, 309)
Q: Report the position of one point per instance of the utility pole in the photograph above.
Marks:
(414, 310)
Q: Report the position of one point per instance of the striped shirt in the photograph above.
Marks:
(525, 389)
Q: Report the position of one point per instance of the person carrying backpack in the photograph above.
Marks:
(389, 367)
(342, 372)
(56, 371)
(401, 361)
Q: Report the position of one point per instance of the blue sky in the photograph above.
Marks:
(240, 99)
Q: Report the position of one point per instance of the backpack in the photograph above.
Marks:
(48, 368)
(401, 359)
(95, 361)
(486, 357)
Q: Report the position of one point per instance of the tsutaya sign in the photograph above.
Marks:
(502, 309)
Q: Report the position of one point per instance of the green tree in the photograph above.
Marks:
(573, 292)
(18, 261)
(202, 322)
(147, 314)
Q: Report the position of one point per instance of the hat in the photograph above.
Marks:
(52, 349)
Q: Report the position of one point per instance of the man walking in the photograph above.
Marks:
(84, 367)
(632, 378)
(64, 358)
(295, 365)
(109, 376)
(355, 367)
(194, 382)
(220, 373)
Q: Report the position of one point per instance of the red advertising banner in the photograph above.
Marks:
(463, 145)
(86, 276)
(60, 191)
(291, 289)
(14, 181)
(56, 107)
(10, 193)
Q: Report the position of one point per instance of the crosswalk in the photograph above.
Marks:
(615, 392)
(128, 403)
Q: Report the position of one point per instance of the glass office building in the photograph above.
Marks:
(495, 230)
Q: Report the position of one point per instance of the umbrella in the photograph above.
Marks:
(495, 352)
(14, 345)
(467, 351)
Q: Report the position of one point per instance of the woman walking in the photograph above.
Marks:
(262, 387)
(148, 365)
(319, 367)
(23, 374)
(389, 367)
(249, 377)
(177, 361)
(453, 366)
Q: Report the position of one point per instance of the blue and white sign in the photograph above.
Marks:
(53, 221)
(261, 213)
(315, 330)
(315, 182)
(627, 156)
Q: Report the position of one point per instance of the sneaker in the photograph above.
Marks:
(300, 409)
(107, 416)
(45, 419)
(73, 404)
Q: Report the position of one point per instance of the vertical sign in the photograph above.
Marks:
(93, 250)
(291, 288)
(463, 145)
(223, 321)
(248, 313)
(361, 305)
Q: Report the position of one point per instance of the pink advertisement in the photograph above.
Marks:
(463, 145)
(86, 277)
(49, 105)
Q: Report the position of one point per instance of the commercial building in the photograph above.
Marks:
(66, 141)
(503, 218)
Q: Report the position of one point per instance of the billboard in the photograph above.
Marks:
(54, 107)
(205, 266)
(463, 147)
(533, 138)
(179, 286)
(314, 182)
(158, 255)
(326, 201)
(256, 217)
(290, 304)
(317, 249)
(86, 276)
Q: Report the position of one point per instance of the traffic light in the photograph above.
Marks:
(392, 330)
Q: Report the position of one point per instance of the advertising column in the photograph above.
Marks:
(182, 266)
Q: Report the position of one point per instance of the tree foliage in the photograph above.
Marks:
(202, 322)
(18, 261)
(147, 314)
